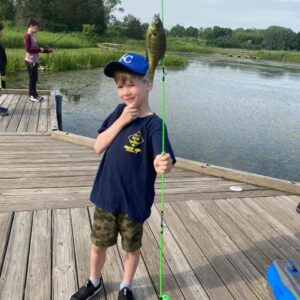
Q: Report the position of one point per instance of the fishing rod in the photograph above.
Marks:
(162, 201)
(53, 42)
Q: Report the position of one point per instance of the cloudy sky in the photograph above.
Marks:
(224, 13)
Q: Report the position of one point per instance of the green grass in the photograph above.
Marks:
(74, 59)
(13, 38)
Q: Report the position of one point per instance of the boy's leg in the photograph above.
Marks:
(97, 259)
(131, 233)
(130, 265)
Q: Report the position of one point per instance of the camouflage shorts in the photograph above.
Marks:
(106, 227)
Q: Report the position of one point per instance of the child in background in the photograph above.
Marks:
(32, 58)
(3, 63)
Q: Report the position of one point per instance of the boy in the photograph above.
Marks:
(32, 58)
(123, 190)
(3, 63)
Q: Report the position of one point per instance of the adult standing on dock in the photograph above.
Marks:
(3, 63)
(32, 58)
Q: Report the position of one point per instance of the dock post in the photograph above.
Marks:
(58, 100)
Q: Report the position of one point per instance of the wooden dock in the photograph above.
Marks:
(218, 243)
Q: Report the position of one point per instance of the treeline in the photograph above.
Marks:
(97, 17)
(60, 15)
(272, 38)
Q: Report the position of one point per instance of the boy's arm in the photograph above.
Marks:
(105, 138)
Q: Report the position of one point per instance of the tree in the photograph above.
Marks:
(279, 38)
(132, 27)
(109, 7)
(177, 30)
(192, 32)
(7, 10)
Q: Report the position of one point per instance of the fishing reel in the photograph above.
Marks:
(165, 297)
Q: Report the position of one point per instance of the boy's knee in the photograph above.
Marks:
(98, 250)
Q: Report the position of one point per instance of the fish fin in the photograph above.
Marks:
(147, 57)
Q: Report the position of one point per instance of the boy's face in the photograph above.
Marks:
(134, 91)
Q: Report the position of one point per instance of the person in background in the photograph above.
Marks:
(32, 58)
(3, 63)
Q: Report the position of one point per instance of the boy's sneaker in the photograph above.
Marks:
(125, 294)
(33, 99)
(3, 113)
(39, 97)
(87, 291)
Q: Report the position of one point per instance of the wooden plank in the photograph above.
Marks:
(25, 91)
(64, 279)
(150, 254)
(23, 125)
(16, 117)
(38, 284)
(208, 277)
(219, 261)
(50, 182)
(34, 117)
(254, 254)
(43, 119)
(53, 114)
(287, 216)
(14, 269)
(5, 120)
(274, 223)
(81, 226)
(180, 267)
(112, 271)
(5, 226)
(252, 277)
(241, 176)
(246, 223)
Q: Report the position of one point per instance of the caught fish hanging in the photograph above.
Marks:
(155, 45)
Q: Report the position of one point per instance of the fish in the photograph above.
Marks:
(155, 45)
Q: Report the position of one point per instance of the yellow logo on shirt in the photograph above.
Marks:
(134, 140)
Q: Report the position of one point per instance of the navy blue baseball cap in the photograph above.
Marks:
(131, 62)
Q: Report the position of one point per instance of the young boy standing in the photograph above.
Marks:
(3, 63)
(123, 190)
(32, 58)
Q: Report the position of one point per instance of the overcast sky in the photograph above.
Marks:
(224, 13)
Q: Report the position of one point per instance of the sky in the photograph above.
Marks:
(225, 13)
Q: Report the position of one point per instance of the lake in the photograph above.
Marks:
(224, 113)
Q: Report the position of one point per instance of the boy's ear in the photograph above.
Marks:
(150, 86)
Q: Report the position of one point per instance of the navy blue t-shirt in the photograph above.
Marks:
(125, 179)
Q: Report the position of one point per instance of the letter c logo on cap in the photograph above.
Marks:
(127, 58)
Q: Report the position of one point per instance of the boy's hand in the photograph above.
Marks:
(163, 163)
(4, 78)
(129, 114)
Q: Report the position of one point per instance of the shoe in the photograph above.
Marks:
(39, 97)
(125, 294)
(4, 109)
(33, 99)
(298, 208)
(87, 291)
(3, 113)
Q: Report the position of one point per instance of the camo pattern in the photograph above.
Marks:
(106, 227)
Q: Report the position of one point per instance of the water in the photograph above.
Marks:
(221, 113)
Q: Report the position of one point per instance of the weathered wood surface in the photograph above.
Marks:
(218, 243)
(24, 115)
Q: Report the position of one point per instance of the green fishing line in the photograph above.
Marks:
(162, 202)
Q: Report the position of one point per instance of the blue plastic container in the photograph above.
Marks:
(284, 279)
